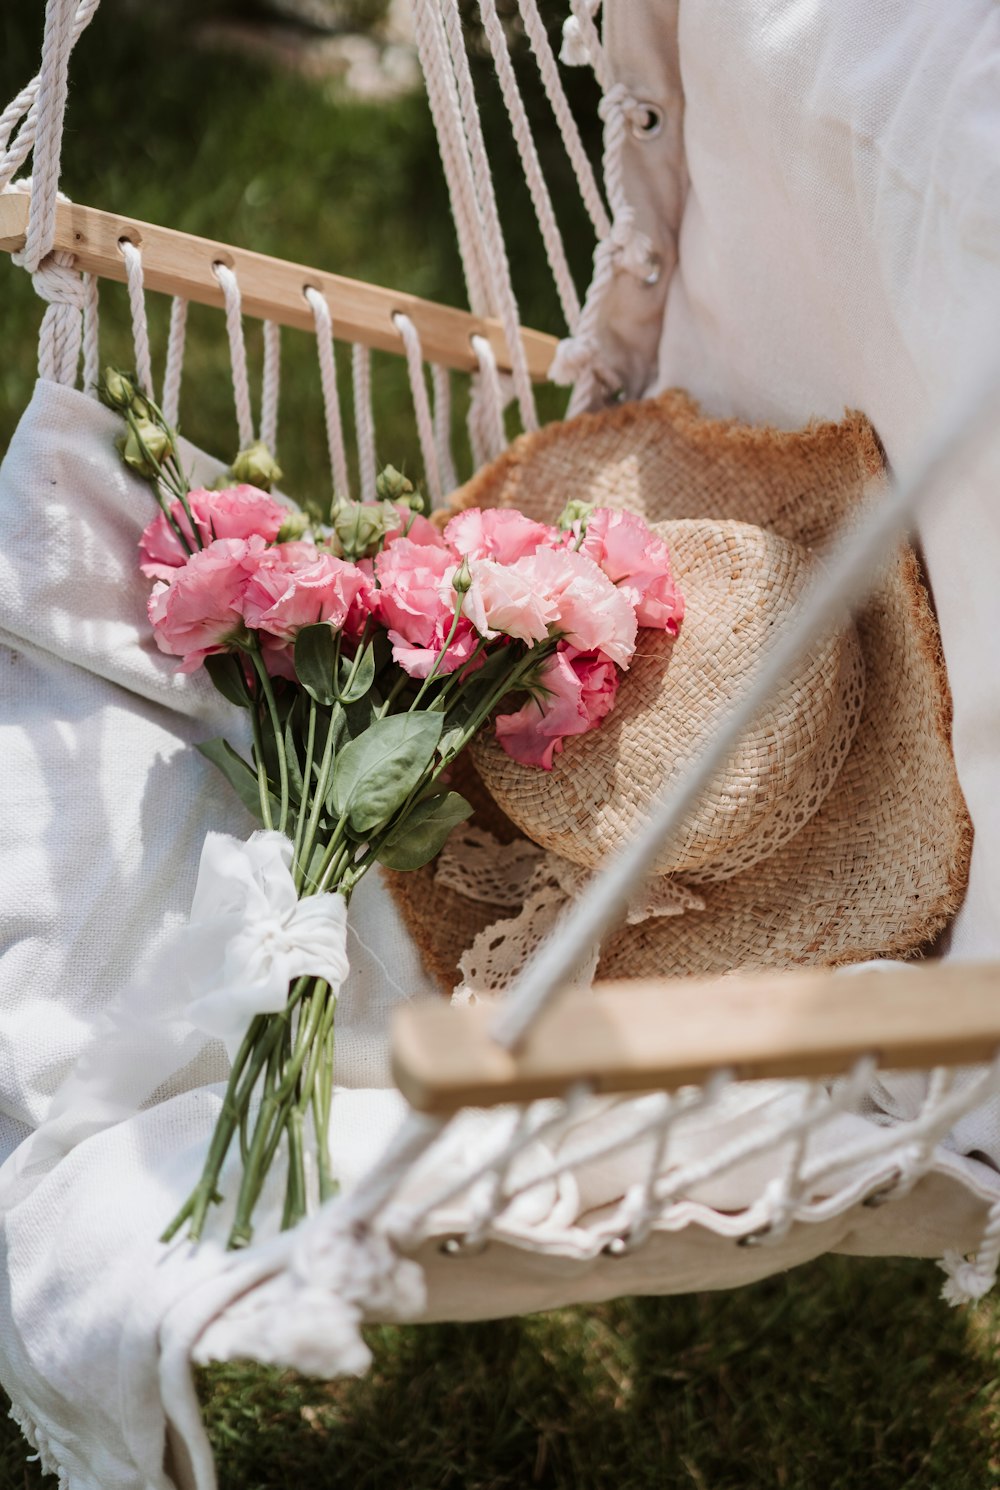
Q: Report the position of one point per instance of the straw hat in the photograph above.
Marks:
(838, 832)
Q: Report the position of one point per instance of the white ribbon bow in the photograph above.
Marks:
(250, 935)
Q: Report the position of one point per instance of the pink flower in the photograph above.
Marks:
(238, 512)
(503, 600)
(292, 591)
(415, 527)
(202, 610)
(638, 562)
(590, 612)
(416, 603)
(581, 690)
(497, 533)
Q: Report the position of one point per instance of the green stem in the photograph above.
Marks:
(306, 783)
(319, 798)
(392, 696)
(279, 740)
(431, 676)
(262, 782)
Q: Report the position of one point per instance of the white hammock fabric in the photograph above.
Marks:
(509, 1211)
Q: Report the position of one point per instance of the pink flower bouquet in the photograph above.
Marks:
(367, 652)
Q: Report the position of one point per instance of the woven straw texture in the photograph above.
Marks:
(740, 585)
(879, 861)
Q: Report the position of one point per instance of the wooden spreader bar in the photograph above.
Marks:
(272, 289)
(644, 1035)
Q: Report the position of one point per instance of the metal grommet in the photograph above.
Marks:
(755, 1238)
(883, 1194)
(460, 1246)
(645, 120)
(655, 269)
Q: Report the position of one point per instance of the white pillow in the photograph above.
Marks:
(840, 246)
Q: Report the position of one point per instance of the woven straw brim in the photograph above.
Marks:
(882, 865)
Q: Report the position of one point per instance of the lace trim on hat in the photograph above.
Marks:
(536, 884)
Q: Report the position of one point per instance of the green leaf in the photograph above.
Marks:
(361, 714)
(315, 660)
(423, 833)
(226, 672)
(241, 776)
(376, 772)
(348, 690)
(292, 758)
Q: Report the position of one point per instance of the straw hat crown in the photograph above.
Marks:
(741, 584)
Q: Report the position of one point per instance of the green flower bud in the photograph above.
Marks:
(116, 389)
(462, 581)
(574, 512)
(359, 529)
(293, 527)
(392, 486)
(145, 447)
(256, 466)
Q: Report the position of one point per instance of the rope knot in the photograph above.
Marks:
(575, 355)
(966, 1281)
(56, 282)
(617, 101)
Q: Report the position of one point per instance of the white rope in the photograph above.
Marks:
(174, 367)
(579, 359)
(53, 85)
(331, 397)
(25, 106)
(61, 332)
(848, 575)
(910, 1147)
(487, 401)
(421, 404)
(91, 335)
(237, 352)
(970, 1279)
(918, 1155)
(407, 1221)
(59, 284)
(495, 248)
(637, 1212)
(137, 306)
(523, 138)
(446, 113)
(364, 422)
(441, 384)
(271, 386)
(538, 36)
(587, 35)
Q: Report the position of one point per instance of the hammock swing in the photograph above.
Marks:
(657, 1134)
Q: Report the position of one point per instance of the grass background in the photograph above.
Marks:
(846, 1375)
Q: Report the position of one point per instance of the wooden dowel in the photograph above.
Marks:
(647, 1035)
(272, 289)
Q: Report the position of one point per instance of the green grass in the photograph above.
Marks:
(844, 1375)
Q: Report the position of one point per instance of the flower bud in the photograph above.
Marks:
(462, 581)
(392, 486)
(293, 527)
(145, 447)
(116, 389)
(575, 512)
(256, 466)
(360, 527)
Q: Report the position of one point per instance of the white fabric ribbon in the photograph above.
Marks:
(250, 935)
